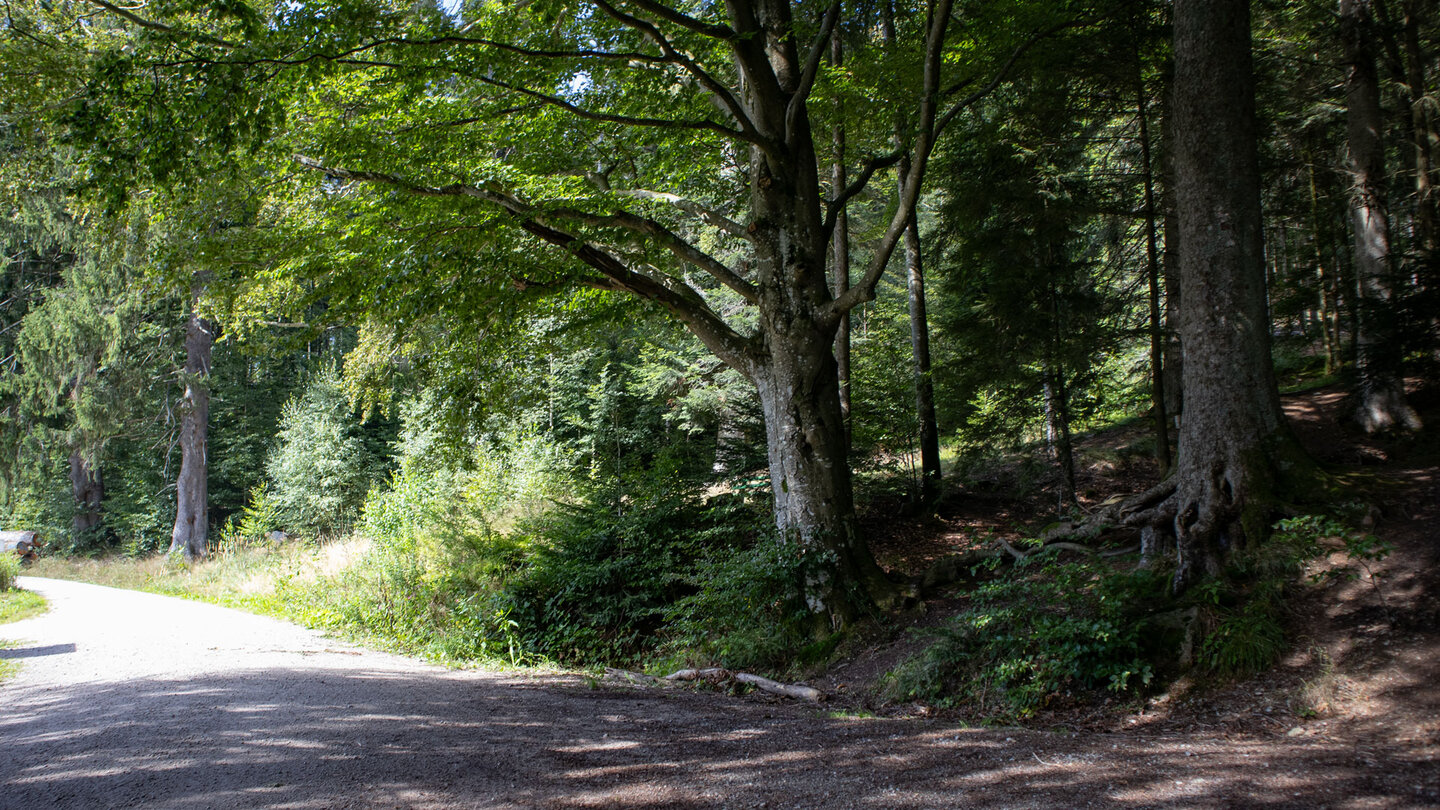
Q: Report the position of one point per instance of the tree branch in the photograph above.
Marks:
(708, 215)
(691, 310)
(722, 95)
(910, 184)
(158, 26)
(687, 306)
(818, 49)
(1000, 75)
(872, 165)
(712, 30)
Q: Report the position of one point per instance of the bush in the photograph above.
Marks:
(393, 594)
(319, 468)
(601, 578)
(1044, 628)
(747, 610)
(9, 571)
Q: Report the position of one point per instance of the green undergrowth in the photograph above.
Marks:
(653, 579)
(17, 604)
(1044, 628)
(1051, 629)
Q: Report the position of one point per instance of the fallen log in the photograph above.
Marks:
(794, 691)
(791, 690)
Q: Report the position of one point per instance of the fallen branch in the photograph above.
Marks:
(718, 675)
(790, 690)
(632, 677)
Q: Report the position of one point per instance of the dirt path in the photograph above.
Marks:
(134, 700)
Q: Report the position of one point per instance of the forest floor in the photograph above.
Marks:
(1363, 664)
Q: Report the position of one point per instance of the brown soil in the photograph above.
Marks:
(1364, 665)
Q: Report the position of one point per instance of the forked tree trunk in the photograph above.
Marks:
(192, 519)
(799, 387)
(1225, 474)
(1382, 405)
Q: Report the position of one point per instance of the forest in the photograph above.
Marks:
(643, 332)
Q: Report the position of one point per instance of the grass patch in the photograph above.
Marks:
(8, 666)
(16, 604)
(383, 596)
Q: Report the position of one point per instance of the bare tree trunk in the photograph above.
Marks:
(1057, 433)
(1382, 405)
(88, 489)
(191, 487)
(1152, 278)
(1174, 360)
(920, 359)
(810, 478)
(1233, 443)
(840, 253)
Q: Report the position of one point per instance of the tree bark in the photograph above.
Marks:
(1173, 364)
(1225, 476)
(1381, 390)
(920, 359)
(810, 477)
(192, 520)
(1057, 433)
(1152, 278)
(88, 489)
(840, 251)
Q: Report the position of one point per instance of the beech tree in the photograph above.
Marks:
(192, 512)
(671, 153)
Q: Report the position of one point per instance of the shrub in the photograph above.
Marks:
(1043, 628)
(601, 578)
(9, 571)
(319, 468)
(746, 610)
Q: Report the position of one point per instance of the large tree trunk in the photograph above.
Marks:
(1224, 479)
(798, 383)
(192, 519)
(810, 477)
(1382, 405)
(88, 489)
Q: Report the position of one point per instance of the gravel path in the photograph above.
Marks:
(133, 700)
